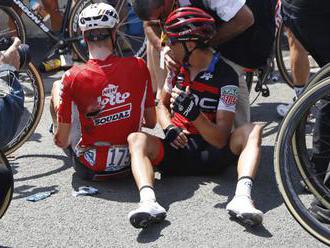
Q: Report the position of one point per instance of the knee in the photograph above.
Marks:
(254, 133)
(251, 133)
(136, 141)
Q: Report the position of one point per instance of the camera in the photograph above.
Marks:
(23, 51)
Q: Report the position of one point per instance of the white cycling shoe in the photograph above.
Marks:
(242, 207)
(148, 212)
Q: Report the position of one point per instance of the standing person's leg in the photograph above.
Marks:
(145, 148)
(246, 142)
(51, 6)
(299, 70)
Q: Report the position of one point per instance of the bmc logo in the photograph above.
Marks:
(111, 96)
(205, 103)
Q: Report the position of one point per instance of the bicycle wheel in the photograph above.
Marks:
(8, 194)
(289, 172)
(11, 24)
(34, 98)
(131, 40)
(321, 74)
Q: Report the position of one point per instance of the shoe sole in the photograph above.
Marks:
(143, 220)
(247, 218)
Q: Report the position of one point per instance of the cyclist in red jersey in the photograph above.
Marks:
(197, 117)
(112, 95)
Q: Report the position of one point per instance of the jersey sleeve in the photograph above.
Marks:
(65, 106)
(229, 89)
(226, 9)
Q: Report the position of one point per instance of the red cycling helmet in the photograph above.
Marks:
(189, 24)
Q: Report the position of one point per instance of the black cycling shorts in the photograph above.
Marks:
(198, 158)
(312, 31)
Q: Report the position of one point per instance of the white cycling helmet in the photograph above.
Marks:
(98, 15)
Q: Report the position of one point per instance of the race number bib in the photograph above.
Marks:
(118, 158)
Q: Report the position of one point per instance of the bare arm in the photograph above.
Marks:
(62, 135)
(150, 30)
(150, 118)
(237, 25)
(217, 134)
(163, 110)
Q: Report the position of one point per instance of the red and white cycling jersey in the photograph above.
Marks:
(111, 97)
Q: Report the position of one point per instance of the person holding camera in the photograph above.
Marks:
(11, 93)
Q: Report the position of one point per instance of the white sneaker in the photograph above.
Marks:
(242, 207)
(282, 109)
(147, 213)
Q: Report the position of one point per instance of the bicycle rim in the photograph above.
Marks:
(34, 98)
(288, 173)
(131, 40)
(11, 24)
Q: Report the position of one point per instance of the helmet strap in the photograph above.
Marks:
(187, 53)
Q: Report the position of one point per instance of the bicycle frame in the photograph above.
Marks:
(59, 38)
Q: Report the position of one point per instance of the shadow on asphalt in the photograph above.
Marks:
(152, 233)
(14, 163)
(27, 190)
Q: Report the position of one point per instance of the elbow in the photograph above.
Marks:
(60, 143)
(249, 20)
(219, 144)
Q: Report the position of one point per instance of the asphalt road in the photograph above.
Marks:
(196, 205)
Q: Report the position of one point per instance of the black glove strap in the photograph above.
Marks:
(171, 132)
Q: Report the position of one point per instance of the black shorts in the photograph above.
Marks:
(312, 31)
(198, 158)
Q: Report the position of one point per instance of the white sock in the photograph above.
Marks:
(244, 186)
(298, 90)
(147, 194)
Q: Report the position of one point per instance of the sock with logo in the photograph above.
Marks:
(147, 193)
(244, 186)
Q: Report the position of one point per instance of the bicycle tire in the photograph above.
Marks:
(299, 142)
(35, 84)
(282, 163)
(136, 44)
(9, 194)
(321, 74)
(17, 20)
(279, 57)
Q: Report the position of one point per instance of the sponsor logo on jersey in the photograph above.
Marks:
(111, 96)
(90, 156)
(114, 114)
(229, 95)
(207, 76)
